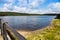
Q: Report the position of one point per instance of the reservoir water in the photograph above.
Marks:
(28, 22)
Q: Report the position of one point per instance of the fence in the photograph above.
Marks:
(6, 31)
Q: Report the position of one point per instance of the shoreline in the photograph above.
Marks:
(44, 32)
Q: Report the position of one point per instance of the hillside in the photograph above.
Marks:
(17, 14)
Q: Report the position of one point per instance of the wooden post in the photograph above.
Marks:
(4, 32)
(1, 26)
(10, 32)
(0, 23)
(13, 34)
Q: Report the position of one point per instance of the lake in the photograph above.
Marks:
(28, 22)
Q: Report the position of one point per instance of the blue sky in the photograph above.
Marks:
(30, 6)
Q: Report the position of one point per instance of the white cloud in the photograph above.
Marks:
(30, 3)
(19, 9)
(5, 8)
(55, 7)
(51, 8)
(22, 3)
(35, 3)
(10, 1)
(24, 10)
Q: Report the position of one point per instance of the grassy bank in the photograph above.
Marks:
(52, 32)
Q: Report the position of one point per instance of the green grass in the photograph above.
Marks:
(52, 32)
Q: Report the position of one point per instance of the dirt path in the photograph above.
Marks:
(1, 37)
(24, 33)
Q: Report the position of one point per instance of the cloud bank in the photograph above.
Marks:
(29, 6)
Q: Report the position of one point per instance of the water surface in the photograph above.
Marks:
(28, 22)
